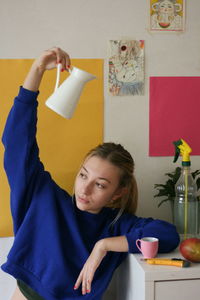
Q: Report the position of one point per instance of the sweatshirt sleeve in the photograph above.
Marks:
(148, 227)
(21, 158)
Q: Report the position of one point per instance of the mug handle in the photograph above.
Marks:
(137, 241)
(59, 66)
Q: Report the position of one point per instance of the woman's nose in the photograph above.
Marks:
(86, 188)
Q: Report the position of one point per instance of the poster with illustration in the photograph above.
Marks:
(167, 15)
(126, 67)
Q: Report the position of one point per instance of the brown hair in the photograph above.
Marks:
(121, 158)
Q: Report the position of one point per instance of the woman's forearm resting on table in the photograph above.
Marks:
(116, 244)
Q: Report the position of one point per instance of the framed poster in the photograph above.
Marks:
(167, 15)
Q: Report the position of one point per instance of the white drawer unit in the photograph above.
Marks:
(177, 289)
(137, 280)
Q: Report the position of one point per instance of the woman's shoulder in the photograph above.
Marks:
(128, 220)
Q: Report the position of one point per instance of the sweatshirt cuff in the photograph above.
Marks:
(27, 96)
(131, 239)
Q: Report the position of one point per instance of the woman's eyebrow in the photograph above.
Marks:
(85, 169)
(101, 178)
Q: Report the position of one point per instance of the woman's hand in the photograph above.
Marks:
(116, 244)
(87, 273)
(48, 60)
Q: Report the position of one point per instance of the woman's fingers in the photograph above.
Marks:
(85, 280)
(78, 281)
(84, 287)
(87, 273)
(88, 283)
(62, 57)
(51, 57)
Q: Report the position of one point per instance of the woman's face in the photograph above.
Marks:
(96, 184)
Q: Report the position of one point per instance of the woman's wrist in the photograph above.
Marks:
(101, 245)
(116, 244)
(37, 67)
(34, 77)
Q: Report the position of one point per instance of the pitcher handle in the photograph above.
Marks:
(59, 67)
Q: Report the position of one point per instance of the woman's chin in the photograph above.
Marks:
(85, 207)
(82, 205)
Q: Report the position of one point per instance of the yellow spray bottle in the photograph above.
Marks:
(185, 204)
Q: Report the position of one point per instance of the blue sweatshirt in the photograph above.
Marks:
(53, 238)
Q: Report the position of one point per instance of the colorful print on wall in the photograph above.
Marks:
(167, 15)
(126, 67)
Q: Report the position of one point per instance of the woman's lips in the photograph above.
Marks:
(84, 201)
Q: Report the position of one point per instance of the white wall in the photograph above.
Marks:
(83, 28)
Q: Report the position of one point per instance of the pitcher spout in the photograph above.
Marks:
(82, 75)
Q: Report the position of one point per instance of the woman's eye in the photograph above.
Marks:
(82, 175)
(100, 186)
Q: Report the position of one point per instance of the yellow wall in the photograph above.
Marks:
(63, 143)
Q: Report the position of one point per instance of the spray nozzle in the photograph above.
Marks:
(181, 147)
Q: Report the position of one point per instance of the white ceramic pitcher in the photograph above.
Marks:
(65, 97)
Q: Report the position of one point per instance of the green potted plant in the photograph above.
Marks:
(167, 190)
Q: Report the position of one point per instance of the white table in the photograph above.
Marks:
(137, 280)
(7, 282)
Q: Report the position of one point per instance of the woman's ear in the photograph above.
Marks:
(120, 192)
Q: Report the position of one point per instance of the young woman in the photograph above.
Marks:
(69, 246)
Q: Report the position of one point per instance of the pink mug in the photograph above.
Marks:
(148, 246)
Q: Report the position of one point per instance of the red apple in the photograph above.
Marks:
(190, 249)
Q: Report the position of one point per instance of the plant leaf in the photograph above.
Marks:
(161, 193)
(159, 185)
(171, 175)
(198, 183)
(177, 174)
(195, 173)
(164, 200)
